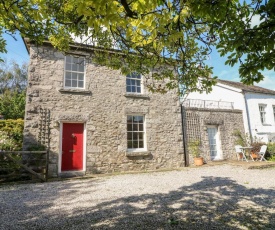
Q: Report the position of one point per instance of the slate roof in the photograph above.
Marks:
(247, 88)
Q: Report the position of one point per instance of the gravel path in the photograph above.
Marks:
(217, 197)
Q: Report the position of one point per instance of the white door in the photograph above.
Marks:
(214, 143)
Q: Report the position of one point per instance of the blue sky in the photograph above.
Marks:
(17, 51)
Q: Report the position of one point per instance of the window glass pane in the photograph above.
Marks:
(129, 136)
(135, 127)
(75, 60)
(68, 59)
(129, 144)
(129, 119)
(133, 89)
(128, 89)
(74, 67)
(140, 136)
(74, 76)
(129, 127)
(141, 145)
(133, 82)
(138, 89)
(140, 127)
(81, 68)
(68, 83)
(68, 66)
(135, 136)
(135, 144)
(74, 83)
(80, 84)
(81, 76)
(68, 76)
(139, 119)
(128, 82)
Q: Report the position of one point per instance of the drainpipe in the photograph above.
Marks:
(247, 116)
(186, 160)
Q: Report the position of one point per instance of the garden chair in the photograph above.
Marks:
(240, 153)
(262, 153)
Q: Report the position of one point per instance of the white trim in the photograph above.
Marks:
(229, 87)
(84, 147)
(136, 79)
(219, 155)
(84, 73)
(144, 135)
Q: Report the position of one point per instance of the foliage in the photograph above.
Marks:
(256, 146)
(11, 134)
(271, 147)
(13, 77)
(194, 148)
(149, 34)
(38, 147)
(240, 138)
(12, 104)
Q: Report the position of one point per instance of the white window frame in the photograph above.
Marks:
(130, 77)
(74, 72)
(262, 110)
(144, 133)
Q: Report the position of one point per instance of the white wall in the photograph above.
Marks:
(258, 129)
(222, 92)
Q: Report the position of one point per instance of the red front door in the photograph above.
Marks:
(72, 146)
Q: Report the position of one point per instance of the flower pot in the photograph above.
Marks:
(254, 155)
(198, 161)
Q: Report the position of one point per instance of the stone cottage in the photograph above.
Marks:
(98, 120)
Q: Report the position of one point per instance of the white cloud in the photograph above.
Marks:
(269, 80)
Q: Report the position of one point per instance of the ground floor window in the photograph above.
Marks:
(135, 132)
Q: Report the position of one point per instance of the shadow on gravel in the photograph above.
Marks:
(213, 203)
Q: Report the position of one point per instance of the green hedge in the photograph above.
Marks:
(11, 134)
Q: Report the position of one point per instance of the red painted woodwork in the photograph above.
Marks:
(72, 146)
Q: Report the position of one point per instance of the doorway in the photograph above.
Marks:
(214, 143)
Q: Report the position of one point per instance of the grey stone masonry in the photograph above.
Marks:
(226, 121)
(103, 107)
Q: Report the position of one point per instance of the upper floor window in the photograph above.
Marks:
(262, 109)
(135, 132)
(133, 83)
(74, 72)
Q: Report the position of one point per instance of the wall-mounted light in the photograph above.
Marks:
(205, 128)
(56, 124)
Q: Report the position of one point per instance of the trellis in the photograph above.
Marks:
(192, 122)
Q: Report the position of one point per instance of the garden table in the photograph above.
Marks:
(244, 150)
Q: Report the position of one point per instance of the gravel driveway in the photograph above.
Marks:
(217, 197)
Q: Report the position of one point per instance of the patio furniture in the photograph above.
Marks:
(240, 153)
(262, 153)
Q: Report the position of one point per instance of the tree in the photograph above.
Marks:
(13, 82)
(178, 34)
(12, 104)
(13, 76)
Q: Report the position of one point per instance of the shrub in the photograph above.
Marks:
(194, 148)
(11, 134)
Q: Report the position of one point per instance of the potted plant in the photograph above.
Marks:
(194, 149)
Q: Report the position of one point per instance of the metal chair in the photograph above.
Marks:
(240, 153)
(262, 153)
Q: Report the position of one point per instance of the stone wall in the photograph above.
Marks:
(103, 107)
(227, 121)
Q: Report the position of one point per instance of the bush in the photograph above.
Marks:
(11, 134)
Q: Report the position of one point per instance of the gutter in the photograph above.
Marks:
(186, 160)
(247, 116)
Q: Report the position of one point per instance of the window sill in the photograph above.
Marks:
(266, 124)
(137, 153)
(137, 95)
(77, 91)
